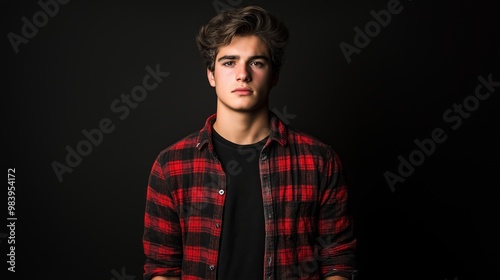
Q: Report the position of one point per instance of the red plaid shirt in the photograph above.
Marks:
(309, 233)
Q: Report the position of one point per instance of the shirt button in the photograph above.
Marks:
(212, 267)
(217, 225)
(264, 156)
(221, 192)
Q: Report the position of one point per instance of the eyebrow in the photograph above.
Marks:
(232, 57)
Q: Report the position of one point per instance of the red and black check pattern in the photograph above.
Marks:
(309, 232)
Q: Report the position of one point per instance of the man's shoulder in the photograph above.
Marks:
(306, 144)
(186, 148)
(187, 142)
(301, 137)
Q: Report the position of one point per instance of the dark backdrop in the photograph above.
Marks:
(423, 211)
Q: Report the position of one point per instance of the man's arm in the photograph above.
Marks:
(336, 240)
(162, 237)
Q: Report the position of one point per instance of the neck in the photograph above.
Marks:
(242, 128)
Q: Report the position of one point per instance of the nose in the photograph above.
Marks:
(243, 73)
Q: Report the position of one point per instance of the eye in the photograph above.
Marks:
(228, 63)
(258, 64)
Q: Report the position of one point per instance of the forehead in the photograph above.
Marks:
(243, 46)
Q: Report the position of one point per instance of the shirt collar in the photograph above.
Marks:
(279, 131)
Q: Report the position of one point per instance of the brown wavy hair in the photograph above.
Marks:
(243, 21)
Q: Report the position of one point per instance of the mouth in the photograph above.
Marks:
(243, 91)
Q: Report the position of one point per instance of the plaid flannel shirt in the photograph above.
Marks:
(308, 228)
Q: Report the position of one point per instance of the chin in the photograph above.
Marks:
(243, 110)
(247, 109)
(244, 107)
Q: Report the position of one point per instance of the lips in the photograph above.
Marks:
(243, 91)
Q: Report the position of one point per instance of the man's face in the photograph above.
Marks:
(243, 76)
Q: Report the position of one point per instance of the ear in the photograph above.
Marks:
(210, 77)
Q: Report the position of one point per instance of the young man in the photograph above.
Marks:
(247, 197)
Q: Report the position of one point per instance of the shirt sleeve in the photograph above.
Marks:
(162, 239)
(336, 242)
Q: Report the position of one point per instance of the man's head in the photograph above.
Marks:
(243, 49)
(244, 21)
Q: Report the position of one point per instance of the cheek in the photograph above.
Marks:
(264, 78)
(219, 79)
(223, 83)
(222, 74)
(259, 75)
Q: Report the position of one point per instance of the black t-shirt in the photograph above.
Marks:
(241, 254)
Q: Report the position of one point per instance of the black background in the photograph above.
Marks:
(440, 223)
